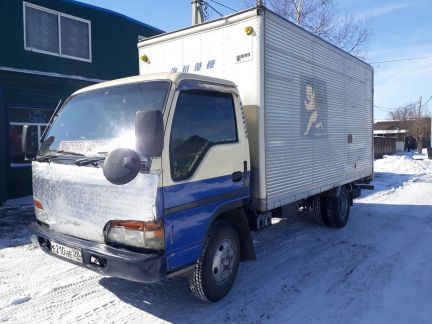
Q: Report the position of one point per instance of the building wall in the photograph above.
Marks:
(384, 146)
(32, 83)
(113, 41)
(3, 150)
(26, 92)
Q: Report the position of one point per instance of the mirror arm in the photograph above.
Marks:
(54, 115)
(24, 139)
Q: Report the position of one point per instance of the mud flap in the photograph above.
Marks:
(241, 224)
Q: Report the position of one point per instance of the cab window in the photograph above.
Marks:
(201, 120)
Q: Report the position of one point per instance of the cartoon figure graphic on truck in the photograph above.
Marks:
(313, 106)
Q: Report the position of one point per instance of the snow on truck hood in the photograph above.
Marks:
(79, 201)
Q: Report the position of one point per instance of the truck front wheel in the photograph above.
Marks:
(336, 210)
(215, 271)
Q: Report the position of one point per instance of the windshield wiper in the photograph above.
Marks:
(69, 153)
(49, 157)
(90, 160)
(46, 158)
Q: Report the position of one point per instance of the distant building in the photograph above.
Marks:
(384, 145)
(397, 133)
(50, 48)
(401, 131)
(398, 136)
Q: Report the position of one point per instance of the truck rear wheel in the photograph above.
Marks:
(337, 209)
(215, 271)
(318, 215)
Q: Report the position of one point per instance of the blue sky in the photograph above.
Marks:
(401, 29)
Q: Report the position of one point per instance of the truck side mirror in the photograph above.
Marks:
(121, 166)
(28, 146)
(25, 144)
(149, 132)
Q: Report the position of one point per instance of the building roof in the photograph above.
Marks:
(398, 124)
(79, 3)
(389, 131)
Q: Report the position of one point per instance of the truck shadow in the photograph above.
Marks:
(14, 222)
(292, 255)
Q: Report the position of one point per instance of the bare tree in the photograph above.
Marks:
(417, 126)
(322, 19)
(420, 130)
(403, 114)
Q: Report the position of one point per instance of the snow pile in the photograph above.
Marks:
(395, 172)
(415, 164)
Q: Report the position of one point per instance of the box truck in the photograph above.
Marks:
(167, 172)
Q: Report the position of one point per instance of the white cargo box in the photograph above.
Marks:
(309, 105)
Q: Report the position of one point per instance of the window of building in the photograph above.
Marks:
(52, 32)
(37, 119)
(202, 119)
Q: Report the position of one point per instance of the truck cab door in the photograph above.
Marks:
(205, 165)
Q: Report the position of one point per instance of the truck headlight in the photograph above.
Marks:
(147, 235)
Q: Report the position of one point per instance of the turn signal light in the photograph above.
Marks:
(155, 227)
(38, 204)
(40, 212)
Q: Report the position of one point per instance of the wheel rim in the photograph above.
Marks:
(223, 261)
(343, 205)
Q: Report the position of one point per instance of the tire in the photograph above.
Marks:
(318, 215)
(337, 209)
(215, 271)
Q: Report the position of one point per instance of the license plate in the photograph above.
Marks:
(66, 252)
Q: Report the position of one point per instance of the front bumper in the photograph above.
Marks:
(113, 262)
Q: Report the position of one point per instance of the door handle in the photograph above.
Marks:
(236, 176)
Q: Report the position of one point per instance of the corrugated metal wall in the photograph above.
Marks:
(303, 71)
(297, 165)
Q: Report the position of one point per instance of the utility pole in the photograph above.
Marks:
(197, 12)
(420, 107)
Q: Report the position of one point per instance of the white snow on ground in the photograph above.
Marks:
(375, 270)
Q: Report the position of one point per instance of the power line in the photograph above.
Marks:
(386, 108)
(211, 7)
(386, 111)
(428, 100)
(222, 5)
(403, 59)
(426, 109)
(392, 108)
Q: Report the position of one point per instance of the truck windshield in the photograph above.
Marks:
(96, 122)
